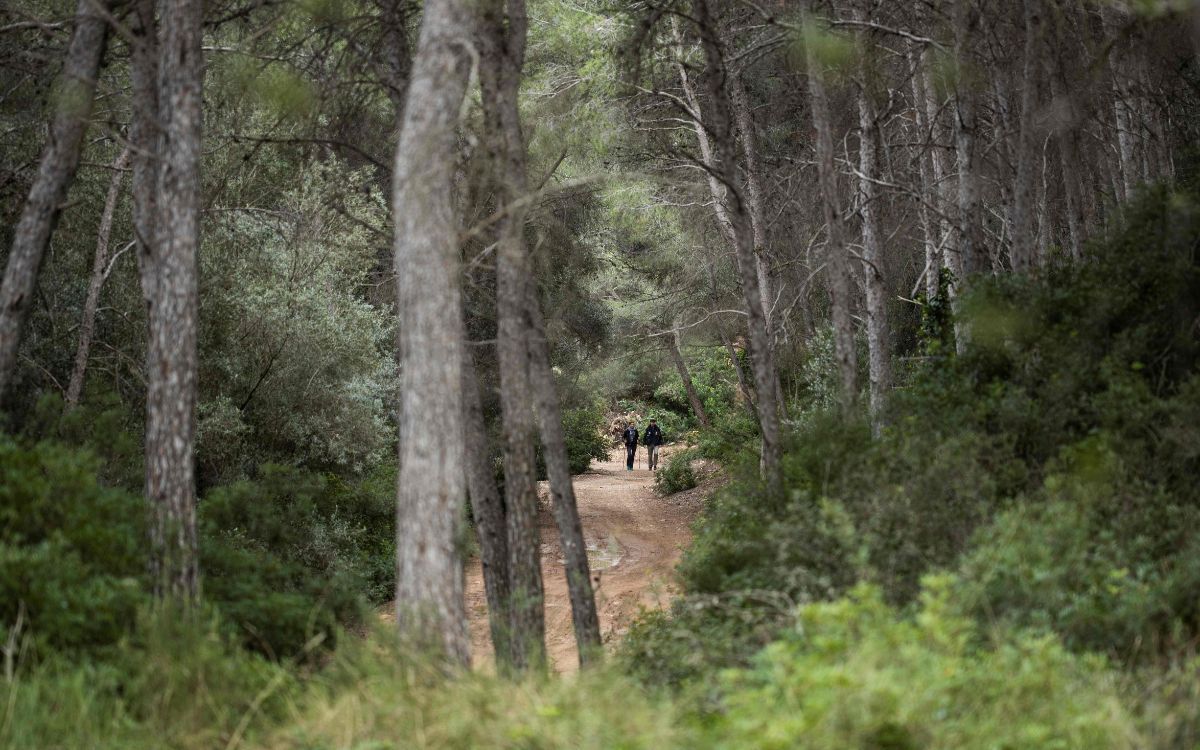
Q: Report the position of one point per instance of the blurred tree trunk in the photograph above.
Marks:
(1067, 138)
(87, 324)
(145, 135)
(673, 343)
(488, 510)
(431, 483)
(878, 334)
(173, 314)
(837, 252)
(73, 95)
(725, 168)
(1023, 254)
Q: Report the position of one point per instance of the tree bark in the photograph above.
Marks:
(171, 350)
(761, 352)
(929, 188)
(1023, 255)
(525, 338)
(1067, 138)
(431, 487)
(584, 616)
(87, 324)
(962, 261)
(145, 135)
(878, 334)
(489, 513)
(74, 94)
(673, 343)
(837, 253)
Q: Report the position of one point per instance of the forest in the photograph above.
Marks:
(321, 323)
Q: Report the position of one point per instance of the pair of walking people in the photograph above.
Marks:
(652, 440)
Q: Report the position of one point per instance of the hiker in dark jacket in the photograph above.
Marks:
(630, 436)
(653, 438)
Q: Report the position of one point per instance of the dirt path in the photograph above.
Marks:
(634, 539)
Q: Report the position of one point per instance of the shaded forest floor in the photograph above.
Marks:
(634, 539)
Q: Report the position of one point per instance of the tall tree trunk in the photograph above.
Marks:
(584, 617)
(74, 93)
(517, 303)
(758, 215)
(87, 324)
(171, 349)
(837, 253)
(673, 343)
(430, 485)
(145, 136)
(1023, 255)
(489, 513)
(878, 334)
(963, 260)
(930, 190)
(761, 352)
(1067, 138)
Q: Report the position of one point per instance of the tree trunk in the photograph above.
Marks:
(837, 254)
(930, 189)
(74, 94)
(87, 325)
(878, 335)
(430, 486)
(145, 135)
(761, 353)
(171, 349)
(673, 343)
(963, 260)
(584, 616)
(1067, 138)
(517, 303)
(491, 524)
(1023, 255)
(758, 215)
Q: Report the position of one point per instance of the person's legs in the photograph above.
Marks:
(629, 451)
(652, 456)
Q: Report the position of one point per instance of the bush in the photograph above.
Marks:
(291, 554)
(72, 552)
(677, 475)
(1098, 353)
(585, 438)
(853, 673)
(1110, 563)
(173, 682)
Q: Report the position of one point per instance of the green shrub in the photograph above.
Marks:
(174, 682)
(677, 475)
(291, 554)
(1109, 562)
(1106, 347)
(853, 673)
(377, 696)
(585, 438)
(72, 552)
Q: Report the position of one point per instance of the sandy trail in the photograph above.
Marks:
(634, 539)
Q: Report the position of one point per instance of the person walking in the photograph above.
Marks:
(653, 439)
(630, 436)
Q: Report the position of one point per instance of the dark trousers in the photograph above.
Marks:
(630, 450)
